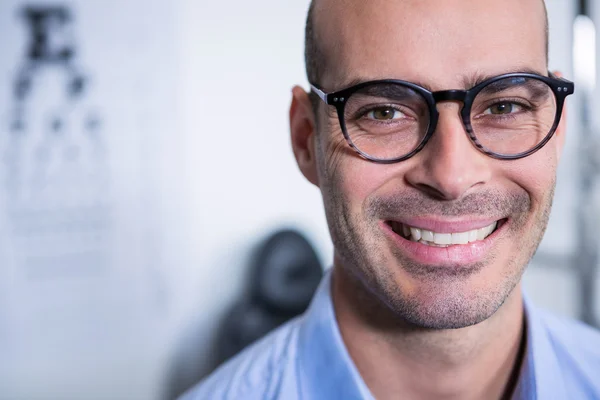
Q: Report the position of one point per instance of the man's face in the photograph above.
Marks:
(449, 187)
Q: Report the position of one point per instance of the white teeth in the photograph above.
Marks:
(460, 238)
(473, 236)
(485, 232)
(427, 235)
(443, 239)
(481, 233)
(415, 234)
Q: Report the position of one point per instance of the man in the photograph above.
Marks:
(433, 131)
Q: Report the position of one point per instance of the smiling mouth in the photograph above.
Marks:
(439, 239)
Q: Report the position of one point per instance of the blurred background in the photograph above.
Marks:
(146, 165)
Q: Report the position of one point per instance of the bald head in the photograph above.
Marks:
(318, 42)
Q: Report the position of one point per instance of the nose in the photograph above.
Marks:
(449, 166)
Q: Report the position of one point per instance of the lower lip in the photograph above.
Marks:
(452, 256)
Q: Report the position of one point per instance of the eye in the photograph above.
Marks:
(385, 114)
(503, 108)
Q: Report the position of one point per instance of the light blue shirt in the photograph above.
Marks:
(306, 359)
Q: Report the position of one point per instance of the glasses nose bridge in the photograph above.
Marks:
(454, 95)
(450, 95)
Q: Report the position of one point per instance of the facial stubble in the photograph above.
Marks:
(363, 251)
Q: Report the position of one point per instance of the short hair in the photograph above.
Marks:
(315, 58)
(313, 55)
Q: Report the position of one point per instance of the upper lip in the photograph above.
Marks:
(447, 226)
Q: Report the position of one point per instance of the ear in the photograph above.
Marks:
(561, 130)
(303, 132)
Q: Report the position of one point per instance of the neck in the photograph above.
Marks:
(480, 361)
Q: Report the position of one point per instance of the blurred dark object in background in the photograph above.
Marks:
(285, 274)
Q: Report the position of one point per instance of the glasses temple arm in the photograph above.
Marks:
(322, 95)
(552, 75)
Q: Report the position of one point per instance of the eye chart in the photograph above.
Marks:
(86, 126)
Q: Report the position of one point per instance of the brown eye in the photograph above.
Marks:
(384, 114)
(503, 108)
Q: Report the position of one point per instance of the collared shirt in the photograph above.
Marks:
(306, 359)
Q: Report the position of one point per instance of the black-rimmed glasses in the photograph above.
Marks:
(507, 117)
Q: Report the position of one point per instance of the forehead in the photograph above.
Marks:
(439, 43)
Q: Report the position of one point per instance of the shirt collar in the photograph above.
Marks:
(325, 367)
(541, 376)
(326, 370)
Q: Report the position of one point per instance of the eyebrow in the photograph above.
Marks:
(393, 92)
(357, 81)
(478, 77)
(537, 89)
(469, 81)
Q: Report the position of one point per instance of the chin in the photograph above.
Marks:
(448, 301)
(448, 310)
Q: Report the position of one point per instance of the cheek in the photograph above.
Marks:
(342, 170)
(360, 180)
(536, 175)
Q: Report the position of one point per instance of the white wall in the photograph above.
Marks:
(237, 69)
